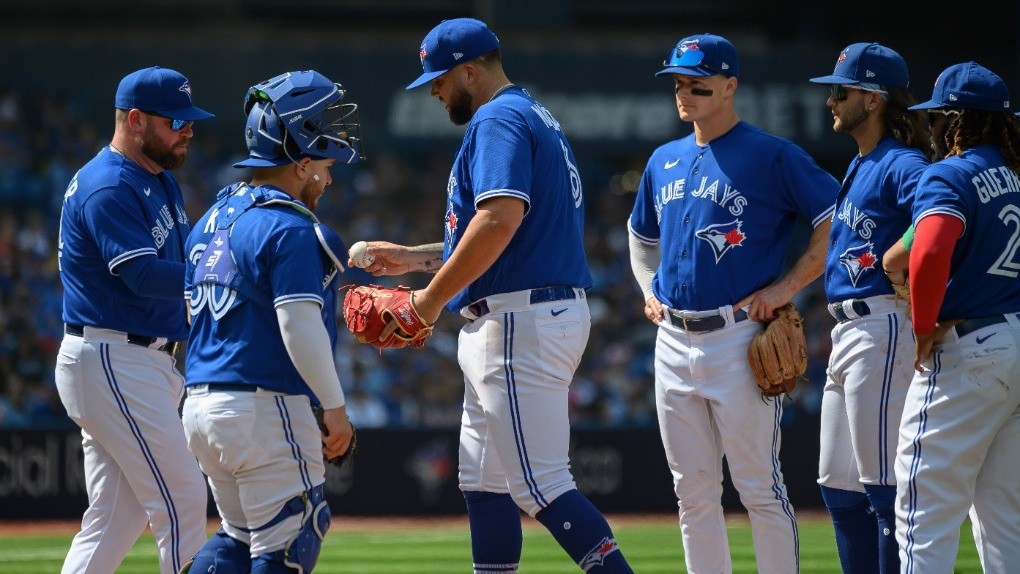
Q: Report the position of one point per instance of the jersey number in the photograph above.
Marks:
(1006, 265)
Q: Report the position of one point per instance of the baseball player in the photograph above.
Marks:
(512, 264)
(261, 283)
(959, 446)
(870, 366)
(709, 232)
(121, 257)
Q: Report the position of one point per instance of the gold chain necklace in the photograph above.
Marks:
(503, 87)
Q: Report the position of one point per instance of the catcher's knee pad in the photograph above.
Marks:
(221, 554)
(302, 552)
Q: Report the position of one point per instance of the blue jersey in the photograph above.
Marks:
(514, 147)
(115, 211)
(872, 212)
(235, 334)
(979, 189)
(723, 213)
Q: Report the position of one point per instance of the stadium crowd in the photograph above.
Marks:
(44, 138)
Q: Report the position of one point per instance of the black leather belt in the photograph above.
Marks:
(540, 295)
(170, 347)
(705, 324)
(970, 325)
(232, 387)
(859, 307)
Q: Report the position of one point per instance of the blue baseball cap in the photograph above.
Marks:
(868, 63)
(702, 55)
(969, 86)
(450, 43)
(161, 91)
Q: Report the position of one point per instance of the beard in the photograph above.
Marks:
(159, 152)
(852, 118)
(460, 107)
(310, 194)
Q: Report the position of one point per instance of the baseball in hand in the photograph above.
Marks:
(358, 256)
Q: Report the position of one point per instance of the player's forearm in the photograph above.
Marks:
(426, 258)
(811, 263)
(897, 257)
(485, 238)
(930, 260)
(644, 260)
(307, 344)
(149, 276)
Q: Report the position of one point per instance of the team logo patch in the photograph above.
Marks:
(451, 223)
(432, 465)
(597, 555)
(423, 54)
(841, 58)
(186, 88)
(857, 260)
(723, 237)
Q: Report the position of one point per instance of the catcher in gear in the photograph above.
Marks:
(778, 353)
(383, 317)
(262, 288)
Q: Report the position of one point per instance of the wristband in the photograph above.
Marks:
(908, 238)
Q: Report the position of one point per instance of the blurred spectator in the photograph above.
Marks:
(365, 410)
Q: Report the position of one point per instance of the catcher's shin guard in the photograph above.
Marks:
(302, 553)
(220, 554)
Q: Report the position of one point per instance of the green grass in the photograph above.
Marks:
(652, 546)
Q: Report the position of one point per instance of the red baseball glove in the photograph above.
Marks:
(368, 309)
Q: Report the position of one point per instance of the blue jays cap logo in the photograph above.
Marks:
(423, 54)
(722, 237)
(857, 260)
(186, 88)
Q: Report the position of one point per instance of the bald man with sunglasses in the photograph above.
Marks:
(121, 257)
(709, 234)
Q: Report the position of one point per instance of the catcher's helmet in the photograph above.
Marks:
(299, 114)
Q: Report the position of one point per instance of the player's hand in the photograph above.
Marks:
(897, 277)
(390, 259)
(338, 439)
(653, 310)
(924, 343)
(761, 305)
(428, 309)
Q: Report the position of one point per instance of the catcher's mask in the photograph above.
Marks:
(299, 114)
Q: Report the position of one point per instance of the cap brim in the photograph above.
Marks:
(187, 114)
(261, 162)
(929, 105)
(684, 71)
(425, 78)
(842, 80)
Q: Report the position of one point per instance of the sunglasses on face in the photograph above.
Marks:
(175, 125)
(840, 92)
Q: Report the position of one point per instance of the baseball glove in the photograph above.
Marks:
(368, 309)
(778, 354)
(903, 292)
(336, 461)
